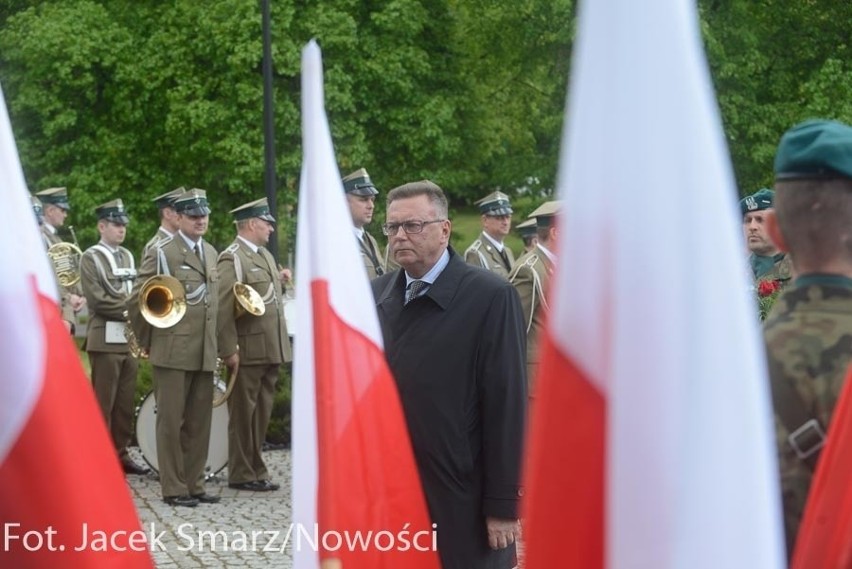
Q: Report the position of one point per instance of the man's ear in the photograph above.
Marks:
(774, 231)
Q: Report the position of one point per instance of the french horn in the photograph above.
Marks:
(247, 301)
(65, 258)
(162, 301)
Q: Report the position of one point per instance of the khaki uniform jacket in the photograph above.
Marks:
(809, 346)
(106, 295)
(261, 339)
(189, 345)
(152, 242)
(371, 255)
(390, 263)
(531, 277)
(482, 253)
(51, 238)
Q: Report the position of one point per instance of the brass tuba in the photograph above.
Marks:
(65, 258)
(247, 301)
(162, 301)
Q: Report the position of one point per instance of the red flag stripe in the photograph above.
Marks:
(574, 535)
(61, 477)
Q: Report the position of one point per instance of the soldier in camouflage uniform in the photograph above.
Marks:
(766, 261)
(809, 331)
(531, 276)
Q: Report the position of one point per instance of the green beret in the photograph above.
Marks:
(815, 149)
(758, 201)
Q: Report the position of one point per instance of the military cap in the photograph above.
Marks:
(495, 203)
(758, 201)
(526, 228)
(258, 208)
(546, 213)
(55, 196)
(168, 199)
(815, 149)
(358, 183)
(113, 211)
(192, 202)
(38, 210)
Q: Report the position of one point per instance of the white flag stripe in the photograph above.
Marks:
(655, 307)
(22, 348)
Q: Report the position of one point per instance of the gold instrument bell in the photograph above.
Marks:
(247, 301)
(65, 258)
(162, 301)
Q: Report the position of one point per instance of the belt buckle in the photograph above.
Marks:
(807, 430)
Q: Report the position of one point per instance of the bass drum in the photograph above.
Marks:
(217, 452)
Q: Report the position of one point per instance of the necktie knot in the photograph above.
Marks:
(414, 290)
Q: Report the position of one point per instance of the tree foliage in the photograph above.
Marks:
(131, 99)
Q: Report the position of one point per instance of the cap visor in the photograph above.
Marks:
(365, 191)
(196, 211)
(500, 211)
(267, 217)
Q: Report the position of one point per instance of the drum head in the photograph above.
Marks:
(217, 451)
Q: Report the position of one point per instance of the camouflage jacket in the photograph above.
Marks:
(781, 270)
(809, 346)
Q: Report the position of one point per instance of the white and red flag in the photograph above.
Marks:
(356, 489)
(651, 443)
(59, 474)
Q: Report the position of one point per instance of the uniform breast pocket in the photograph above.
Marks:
(256, 278)
(190, 279)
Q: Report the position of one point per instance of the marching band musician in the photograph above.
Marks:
(259, 344)
(168, 217)
(531, 277)
(183, 355)
(107, 274)
(67, 313)
(55, 209)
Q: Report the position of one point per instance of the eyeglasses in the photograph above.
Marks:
(410, 227)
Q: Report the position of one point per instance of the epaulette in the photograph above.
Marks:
(473, 247)
(230, 249)
(165, 240)
(531, 260)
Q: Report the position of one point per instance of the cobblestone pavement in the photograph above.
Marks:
(226, 538)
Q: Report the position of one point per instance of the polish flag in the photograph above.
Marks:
(353, 468)
(651, 443)
(825, 535)
(59, 475)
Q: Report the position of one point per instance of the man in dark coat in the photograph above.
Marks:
(454, 340)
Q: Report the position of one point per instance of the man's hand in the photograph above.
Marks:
(285, 275)
(77, 302)
(232, 361)
(502, 532)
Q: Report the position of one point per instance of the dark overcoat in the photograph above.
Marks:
(457, 354)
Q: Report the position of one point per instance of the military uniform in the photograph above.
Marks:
(531, 277)
(59, 198)
(776, 268)
(262, 344)
(163, 201)
(809, 328)
(808, 333)
(358, 183)
(485, 251)
(107, 277)
(183, 356)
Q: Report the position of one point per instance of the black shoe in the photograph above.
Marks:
(269, 485)
(186, 501)
(254, 486)
(206, 498)
(131, 467)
